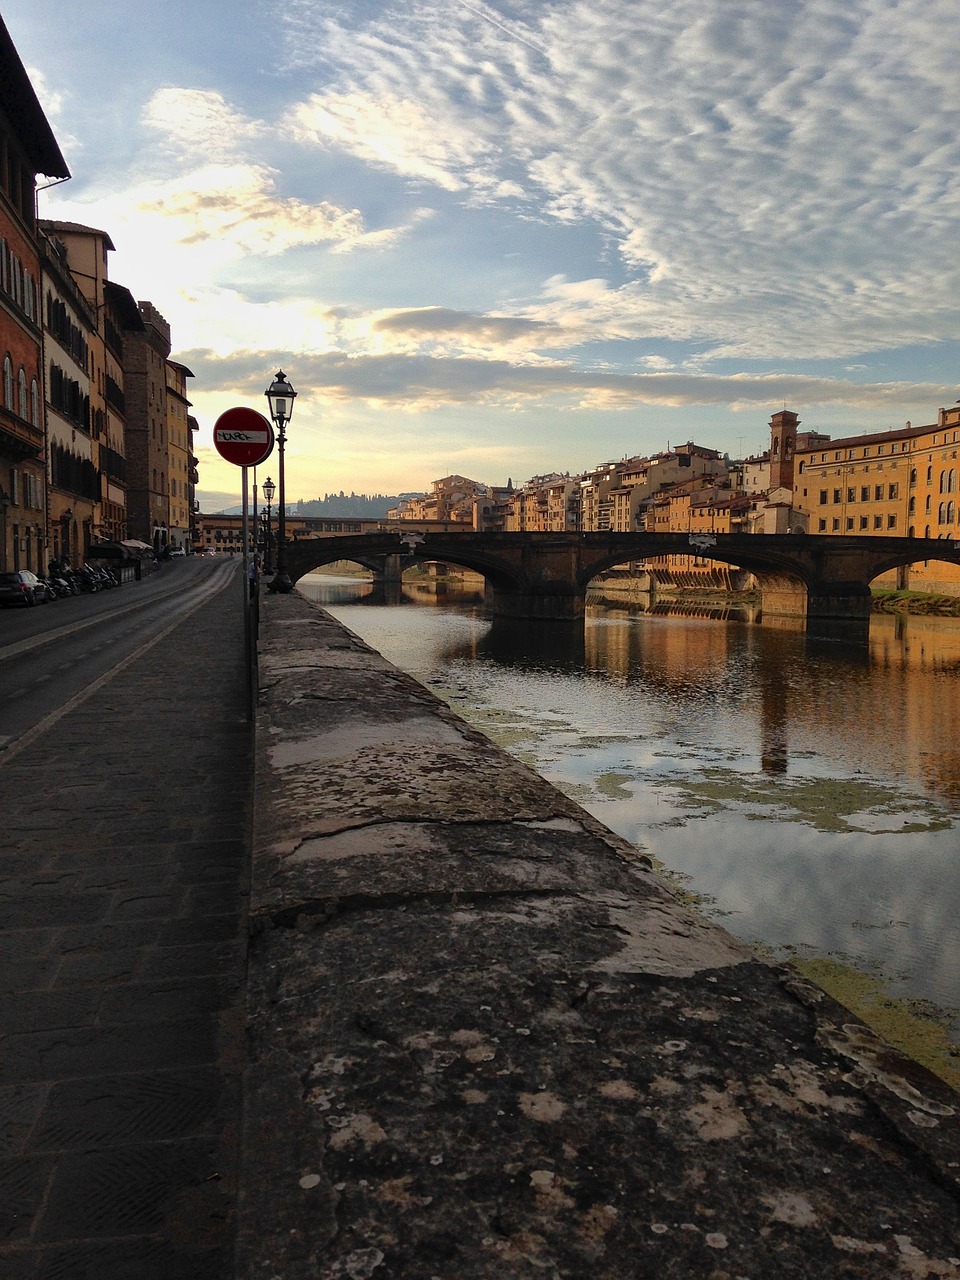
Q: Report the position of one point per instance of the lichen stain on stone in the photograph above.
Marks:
(876, 1061)
(797, 1090)
(359, 1128)
(618, 1090)
(790, 1207)
(718, 1118)
(546, 1107)
(914, 1030)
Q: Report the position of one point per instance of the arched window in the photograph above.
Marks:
(24, 408)
(913, 477)
(8, 383)
(35, 404)
(949, 513)
(912, 507)
(951, 481)
(927, 507)
(943, 482)
(942, 513)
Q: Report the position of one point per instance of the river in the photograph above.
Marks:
(804, 792)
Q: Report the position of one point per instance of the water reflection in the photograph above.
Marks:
(807, 785)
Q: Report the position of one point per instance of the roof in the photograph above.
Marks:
(124, 303)
(51, 226)
(20, 105)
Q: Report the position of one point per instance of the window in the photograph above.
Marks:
(851, 495)
(8, 384)
(836, 525)
(823, 497)
(822, 525)
(929, 475)
(894, 491)
(864, 522)
(878, 493)
(913, 477)
(878, 522)
(24, 403)
(950, 513)
(836, 495)
(891, 522)
(849, 524)
(864, 493)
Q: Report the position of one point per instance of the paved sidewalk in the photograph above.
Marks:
(122, 953)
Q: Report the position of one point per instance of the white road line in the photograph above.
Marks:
(26, 739)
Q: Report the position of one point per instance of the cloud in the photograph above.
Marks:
(417, 382)
(776, 180)
(441, 322)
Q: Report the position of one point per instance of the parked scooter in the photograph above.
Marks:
(61, 584)
(88, 578)
(50, 590)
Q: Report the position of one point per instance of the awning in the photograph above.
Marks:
(126, 549)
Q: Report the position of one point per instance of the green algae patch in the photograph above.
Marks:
(828, 804)
(914, 1027)
(611, 786)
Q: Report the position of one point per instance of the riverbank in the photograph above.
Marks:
(487, 1041)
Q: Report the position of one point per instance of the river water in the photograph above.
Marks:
(805, 792)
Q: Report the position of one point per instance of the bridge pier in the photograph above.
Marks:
(390, 569)
(822, 600)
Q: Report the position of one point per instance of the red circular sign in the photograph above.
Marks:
(243, 436)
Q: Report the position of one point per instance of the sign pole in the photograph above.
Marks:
(247, 596)
(245, 438)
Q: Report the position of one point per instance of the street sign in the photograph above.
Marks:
(243, 436)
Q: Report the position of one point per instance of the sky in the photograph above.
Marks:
(506, 240)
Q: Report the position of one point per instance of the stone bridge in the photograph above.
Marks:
(545, 575)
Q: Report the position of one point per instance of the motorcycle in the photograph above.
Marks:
(89, 578)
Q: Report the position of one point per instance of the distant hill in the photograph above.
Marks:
(364, 505)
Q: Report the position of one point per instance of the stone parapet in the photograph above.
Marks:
(486, 1041)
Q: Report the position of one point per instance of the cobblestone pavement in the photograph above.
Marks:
(122, 950)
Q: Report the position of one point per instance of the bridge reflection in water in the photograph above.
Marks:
(530, 575)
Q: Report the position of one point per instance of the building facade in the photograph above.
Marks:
(179, 454)
(27, 148)
(146, 352)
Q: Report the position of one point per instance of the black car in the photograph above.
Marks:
(21, 587)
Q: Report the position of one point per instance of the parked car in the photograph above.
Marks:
(21, 587)
(177, 552)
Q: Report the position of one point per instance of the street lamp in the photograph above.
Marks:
(268, 491)
(280, 397)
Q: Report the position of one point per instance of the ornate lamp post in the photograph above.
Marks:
(268, 491)
(280, 397)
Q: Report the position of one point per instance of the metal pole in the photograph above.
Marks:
(247, 598)
(282, 580)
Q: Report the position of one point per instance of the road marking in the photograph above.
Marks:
(26, 739)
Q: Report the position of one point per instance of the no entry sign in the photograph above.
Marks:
(243, 436)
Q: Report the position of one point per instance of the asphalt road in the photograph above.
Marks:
(55, 655)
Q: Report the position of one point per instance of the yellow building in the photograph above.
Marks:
(901, 483)
(178, 456)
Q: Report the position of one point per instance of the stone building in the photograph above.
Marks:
(145, 356)
(73, 482)
(179, 454)
(27, 148)
(84, 252)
